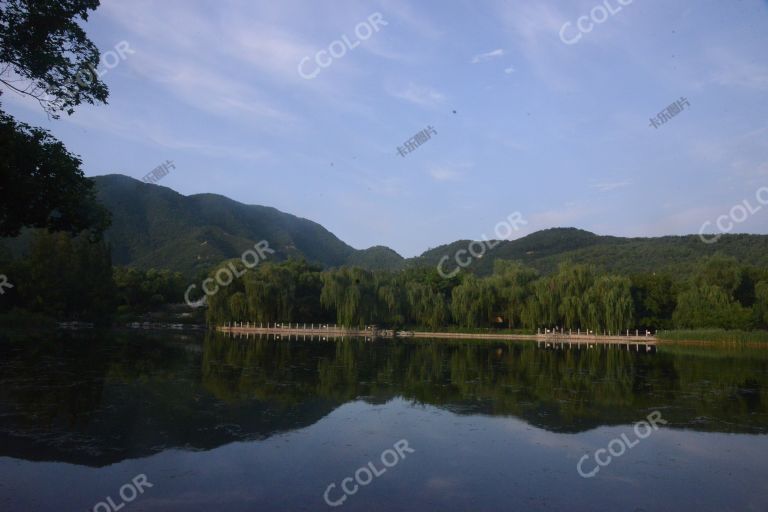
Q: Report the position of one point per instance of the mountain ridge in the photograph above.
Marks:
(155, 226)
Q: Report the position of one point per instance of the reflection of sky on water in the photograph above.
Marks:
(268, 426)
(460, 463)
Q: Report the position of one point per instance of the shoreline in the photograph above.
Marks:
(329, 331)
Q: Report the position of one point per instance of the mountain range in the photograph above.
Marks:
(156, 227)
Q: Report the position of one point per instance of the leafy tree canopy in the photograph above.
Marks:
(45, 53)
(41, 184)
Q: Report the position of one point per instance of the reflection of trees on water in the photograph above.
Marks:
(560, 390)
(94, 400)
(41, 379)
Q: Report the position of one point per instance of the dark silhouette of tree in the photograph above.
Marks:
(45, 53)
(41, 184)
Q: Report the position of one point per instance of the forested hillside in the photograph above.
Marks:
(545, 250)
(155, 227)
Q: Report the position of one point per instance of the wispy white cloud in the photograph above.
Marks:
(534, 27)
(152, 135)
(607, 186)
(733, 70)
(419, 94)
(207, 90)
(194, 56)
(271, 51)
(208, 149)
(443, 174)
(743, 155)
(482, 57)
(404, 12)
(450, 172)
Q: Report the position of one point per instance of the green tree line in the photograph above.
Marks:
(722, 294)
(71, 277)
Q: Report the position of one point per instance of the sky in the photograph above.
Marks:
(528, 114)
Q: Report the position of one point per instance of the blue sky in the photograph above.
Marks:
(559, 132)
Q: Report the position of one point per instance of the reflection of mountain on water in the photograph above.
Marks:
(95, 400)
(88, 402)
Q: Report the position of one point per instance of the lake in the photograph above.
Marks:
(153, 422)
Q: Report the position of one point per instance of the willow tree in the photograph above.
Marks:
(547, 302)
(351, 293)
(238, 306)
(572, 283)
(218, 301)
(64, 277)
(271, 292)
(472, 302)
(615, 298)
(426, 305)
(393, 302)
(531, 314)
(512, 282)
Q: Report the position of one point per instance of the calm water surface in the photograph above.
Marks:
(261, 425)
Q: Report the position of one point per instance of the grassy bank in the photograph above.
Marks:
(714, 335)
